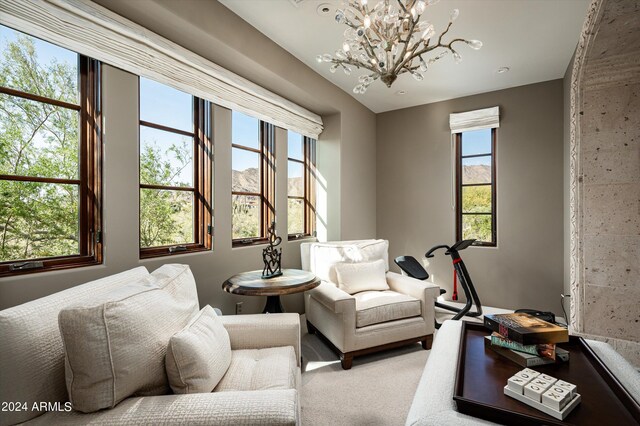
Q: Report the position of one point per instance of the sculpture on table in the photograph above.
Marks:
(271, 256)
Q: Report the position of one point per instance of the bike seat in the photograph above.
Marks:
(411, 267)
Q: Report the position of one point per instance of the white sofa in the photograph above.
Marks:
(32, 368)
(367, 321)
(433, 403)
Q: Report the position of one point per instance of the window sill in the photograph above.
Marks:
(249, 242)
(301, 237)
(164, 251)
(51, 264)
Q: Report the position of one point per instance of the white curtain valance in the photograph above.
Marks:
(486, 118)
(92, 30)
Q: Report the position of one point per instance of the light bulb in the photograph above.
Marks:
(474, 44)
(326, 58)
(417, 76)
(432, 2)
(333, 68)
(346, 70)
(357, 89)
(319, 58)
(454, 15)
(363, 2)
(340, 54)
(423, 65)
(367, 21)
(456, 57)
(428, 33)
(340, 16)
(345, 47)
(414, 13)
(420, 6)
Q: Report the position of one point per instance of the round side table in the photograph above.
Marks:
(252, 284)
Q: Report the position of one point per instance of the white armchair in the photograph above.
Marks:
(368, 321)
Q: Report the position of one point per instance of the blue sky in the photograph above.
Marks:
(476, 142)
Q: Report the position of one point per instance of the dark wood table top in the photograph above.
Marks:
(483, 373)
(252, 284)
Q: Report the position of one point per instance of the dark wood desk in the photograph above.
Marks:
(252, 284)
(483, 373)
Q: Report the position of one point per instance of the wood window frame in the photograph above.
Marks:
(202, 181)
(309, 197)
(460, 185)
(267, 153)
(90, 175)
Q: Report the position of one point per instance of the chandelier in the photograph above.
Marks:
(389, 40)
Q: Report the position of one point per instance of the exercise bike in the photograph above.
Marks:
(414, 269)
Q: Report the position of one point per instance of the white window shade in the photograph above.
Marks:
(92, 30)
(486, 118)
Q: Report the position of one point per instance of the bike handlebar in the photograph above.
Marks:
(432, 249)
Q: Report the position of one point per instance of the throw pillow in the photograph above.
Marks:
(116, 348)
(363, 276)
(199, 355)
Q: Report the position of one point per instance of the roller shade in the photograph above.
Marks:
(486, 118)
(90, 29)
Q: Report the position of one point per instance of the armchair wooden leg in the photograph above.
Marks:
(346, 360)
(427, 342)
(310, 328)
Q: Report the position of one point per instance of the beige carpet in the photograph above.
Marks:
(378, 390)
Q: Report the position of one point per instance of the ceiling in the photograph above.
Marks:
(534, 38)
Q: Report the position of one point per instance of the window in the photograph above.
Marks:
(253, 179)
(49, 156)
(476, 186)
(175, 171)
(301, 186)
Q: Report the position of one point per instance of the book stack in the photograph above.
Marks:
(525, 339)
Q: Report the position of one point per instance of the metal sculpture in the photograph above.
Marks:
(271, 256)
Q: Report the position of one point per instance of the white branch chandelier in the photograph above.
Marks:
(389, 40)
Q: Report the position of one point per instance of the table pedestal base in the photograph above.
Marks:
(273, 305)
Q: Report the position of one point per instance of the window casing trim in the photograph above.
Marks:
(309, 197)
(202, 183)
(267, 152)
(460, 185)
(90, 174)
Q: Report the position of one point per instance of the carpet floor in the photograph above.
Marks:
(378, 390)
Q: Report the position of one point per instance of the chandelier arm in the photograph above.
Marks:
(416, 53)
(444, 32)
(406, 44)
(403, 6)
(355, 63)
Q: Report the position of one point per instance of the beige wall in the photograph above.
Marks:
(414, 193)
(219, 35)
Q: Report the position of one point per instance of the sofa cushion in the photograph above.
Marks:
(116, 348)
(362, 276)
(324, 256)
(199, 354)
(31, 352)
(374, 307)
(260, 369)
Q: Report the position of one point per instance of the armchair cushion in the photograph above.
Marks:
(271, 407)
(116, 348)
(324, 256)
(261, 331)
(362, 276)
(260, 369)
(199, 355)
(374, 307)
